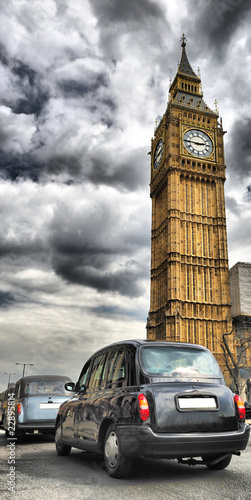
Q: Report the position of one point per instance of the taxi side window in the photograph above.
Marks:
(84, 376)
(116, 369)
(97, 371)
(18, 390)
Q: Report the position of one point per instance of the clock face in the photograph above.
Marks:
(158, 153)
(198, 143)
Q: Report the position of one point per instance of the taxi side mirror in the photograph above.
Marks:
(70, 386)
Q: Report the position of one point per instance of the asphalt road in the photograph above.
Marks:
(40, 474)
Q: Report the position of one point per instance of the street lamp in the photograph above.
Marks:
(24, 365)
(5, 373)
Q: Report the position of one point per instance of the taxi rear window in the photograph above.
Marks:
(178, 362)
(45, 387)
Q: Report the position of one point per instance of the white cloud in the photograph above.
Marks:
(15, 130)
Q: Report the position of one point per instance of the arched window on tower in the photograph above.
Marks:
(188, 332)
(191, 199)
(187, 238)
(195, 332)
(207, 335)
(213, 339)
(193, 241)
(205, 285)
(209, 243)
(203, 242)
(210, 286)
(188, 284)
(194, 284)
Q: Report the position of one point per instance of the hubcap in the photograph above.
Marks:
(112, 449)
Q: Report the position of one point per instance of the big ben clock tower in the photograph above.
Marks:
(190, 294)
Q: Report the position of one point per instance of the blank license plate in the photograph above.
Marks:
(197, 403)
(48, 406)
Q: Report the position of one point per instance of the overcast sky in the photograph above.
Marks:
(82, 83)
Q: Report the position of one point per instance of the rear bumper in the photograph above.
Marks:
(142, 441)
(48, 426)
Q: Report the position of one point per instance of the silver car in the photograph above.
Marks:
(4, 402)
(34, 403)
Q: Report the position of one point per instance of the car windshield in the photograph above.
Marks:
(178, 362)
(46, 387)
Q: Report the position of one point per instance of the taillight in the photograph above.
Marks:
(19, 408)
(240, 407)
(143, 407)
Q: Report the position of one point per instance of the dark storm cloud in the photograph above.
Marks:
(34, 97)
(16, 166)
(142, 18)
(100, 166)
(80, 88)
(126, 12)
(26, 247)
(32, 104)
(130, 172)
(239, 149)
(25, 73)
(95, 247)
(126, 281)
(217, 21)
(94, 89)
(87, 265)
(29, 84)
(64, 163)
(103, 311)
(3, 55)
(233, 206)
(6, 299)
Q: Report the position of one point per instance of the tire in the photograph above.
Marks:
(117, 465)
(62, 449)
(222, 464)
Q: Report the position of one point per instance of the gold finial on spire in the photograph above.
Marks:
(183, 41)
(216, 106)
(156, 123)
(198, 72)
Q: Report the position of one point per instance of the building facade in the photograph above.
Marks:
(240, 292)
(190, 293)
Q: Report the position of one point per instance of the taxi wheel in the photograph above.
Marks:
(116, 464)
(222, 464)
(62, 449)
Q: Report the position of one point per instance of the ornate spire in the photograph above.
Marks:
(186, 89)
(184, 66)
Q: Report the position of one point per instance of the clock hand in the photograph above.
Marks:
(197, 143)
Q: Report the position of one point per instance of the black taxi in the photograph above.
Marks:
(152, 399)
